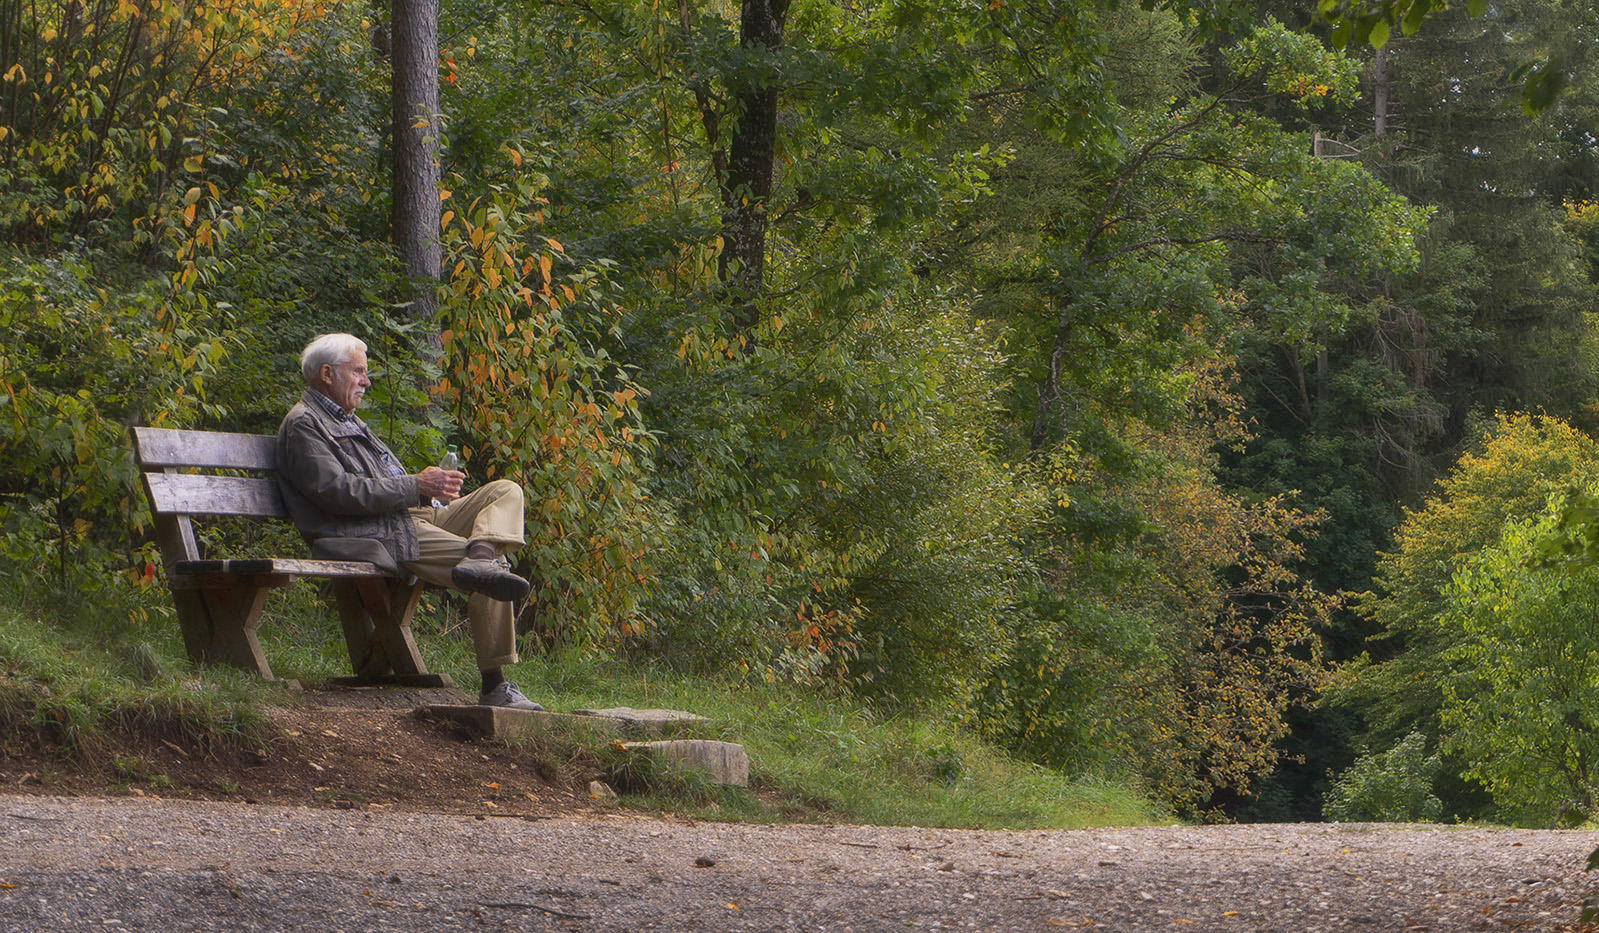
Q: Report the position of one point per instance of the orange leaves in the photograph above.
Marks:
(532, 398)
(545, 267)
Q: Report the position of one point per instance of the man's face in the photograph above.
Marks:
(346, 382)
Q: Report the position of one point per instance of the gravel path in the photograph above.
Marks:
(142, 864)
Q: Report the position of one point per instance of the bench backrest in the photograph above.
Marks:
(174, 495)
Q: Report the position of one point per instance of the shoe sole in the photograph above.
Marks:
(501, 586)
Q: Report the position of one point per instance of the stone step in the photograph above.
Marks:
(722, 762)
(649, 718)
(499, 723)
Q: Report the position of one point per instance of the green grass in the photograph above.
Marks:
(82, 679)
(820, 757)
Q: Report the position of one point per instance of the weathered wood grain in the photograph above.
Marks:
(294, 567)
(195, 494)
(168, 447)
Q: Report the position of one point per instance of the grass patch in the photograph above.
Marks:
(818, 757)
(80, 680)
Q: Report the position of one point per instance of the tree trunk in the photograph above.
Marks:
(741, 266)
(1379, 92)
(415, 45)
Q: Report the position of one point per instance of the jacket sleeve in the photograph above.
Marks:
(309, 463)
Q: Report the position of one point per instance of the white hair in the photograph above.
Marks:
(329, 349)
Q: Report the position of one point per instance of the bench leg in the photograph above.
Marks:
(376, 614)
(219, 622)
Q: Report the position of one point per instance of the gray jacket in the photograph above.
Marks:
(338, 492)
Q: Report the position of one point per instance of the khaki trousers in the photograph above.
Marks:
(492, 512)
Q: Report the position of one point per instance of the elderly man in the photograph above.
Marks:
(349, 495)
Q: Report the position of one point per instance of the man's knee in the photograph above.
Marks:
(504, 489)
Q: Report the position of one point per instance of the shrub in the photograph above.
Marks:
(1392, 786)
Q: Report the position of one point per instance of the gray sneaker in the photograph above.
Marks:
(492, 578)
(508, 697)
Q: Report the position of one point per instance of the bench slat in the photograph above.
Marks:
(168, 447)
(278, 565)
(192, 494)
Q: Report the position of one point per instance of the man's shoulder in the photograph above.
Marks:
(298, 413)
(302, 424)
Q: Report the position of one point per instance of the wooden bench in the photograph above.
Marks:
(219, 601)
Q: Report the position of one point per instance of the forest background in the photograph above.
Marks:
(1162, 393)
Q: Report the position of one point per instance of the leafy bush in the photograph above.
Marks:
(1519, 463)
(1523, 676)
(1393, 786)
(540, 402)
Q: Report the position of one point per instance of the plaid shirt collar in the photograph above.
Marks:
(333, 408)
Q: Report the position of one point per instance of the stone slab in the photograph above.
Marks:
(496, 722)
(500, 723)
(642, 717)
(723, 762)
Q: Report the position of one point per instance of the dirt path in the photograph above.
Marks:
(142, 864)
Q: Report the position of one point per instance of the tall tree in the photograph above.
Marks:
(746, 186)
(417, 125)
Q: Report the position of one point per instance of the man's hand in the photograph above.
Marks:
(440, 484)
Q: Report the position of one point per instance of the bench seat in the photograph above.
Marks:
(292, 566)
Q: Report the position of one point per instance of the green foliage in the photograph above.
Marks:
(1392, 786)
(1522, 462)
(80, 363)
(1518, 704)
(1295, 64)
(977, 446)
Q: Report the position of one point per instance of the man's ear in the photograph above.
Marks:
(325, 374)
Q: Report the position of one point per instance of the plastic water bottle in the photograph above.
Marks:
(450, 461)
